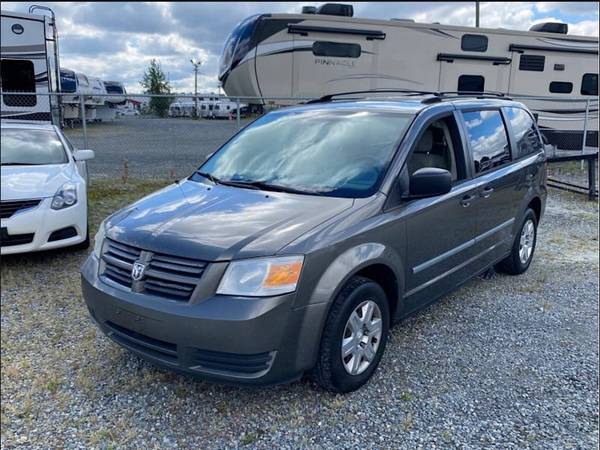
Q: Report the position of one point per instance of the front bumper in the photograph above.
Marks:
(241, 340)
(41, 221)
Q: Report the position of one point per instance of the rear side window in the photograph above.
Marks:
(474, 43)
(488, 141)
(337, 49)
(526, 135)
(18, 76)
(589, 84)
(533, 63)
(471, 83)
(561, 87)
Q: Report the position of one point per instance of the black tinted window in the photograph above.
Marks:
(561, 87)
(474, 43)
(589, 84)
(487, 139)
(18, 76)
(321, 48)
(526, 135)
(534, 63)
(471, 83)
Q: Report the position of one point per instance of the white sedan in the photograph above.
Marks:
(44, 200)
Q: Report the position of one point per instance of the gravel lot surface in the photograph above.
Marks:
(153, 147)
(506, 362)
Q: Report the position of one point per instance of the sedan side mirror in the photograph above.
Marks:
(429, 182)
(83, 155)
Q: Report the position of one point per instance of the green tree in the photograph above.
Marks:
(155, 82)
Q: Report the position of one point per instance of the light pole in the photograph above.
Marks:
(477, 14)
(196, 65)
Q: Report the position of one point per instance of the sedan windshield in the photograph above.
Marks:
(341, 153)
(22, 147)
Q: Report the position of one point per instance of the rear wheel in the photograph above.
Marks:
(523, 247)
(354, 337)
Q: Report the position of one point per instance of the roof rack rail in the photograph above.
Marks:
(408, 92)
(476, 94)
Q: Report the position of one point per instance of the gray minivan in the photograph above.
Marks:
(296, 245)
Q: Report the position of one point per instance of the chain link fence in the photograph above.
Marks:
(168, 136)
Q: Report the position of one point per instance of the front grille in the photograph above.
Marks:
(8, 208)
(6, 240)
(118, 261)
(165, 276)
(144, 344)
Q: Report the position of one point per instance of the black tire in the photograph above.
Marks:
(330, 372)
(513, 265)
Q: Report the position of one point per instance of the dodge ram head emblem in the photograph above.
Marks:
(138, 270)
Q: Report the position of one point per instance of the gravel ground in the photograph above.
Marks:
(153, 147)
(506, 362)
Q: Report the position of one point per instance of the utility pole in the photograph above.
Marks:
(477, 14)
(196, 65)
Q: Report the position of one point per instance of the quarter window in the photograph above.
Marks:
(561, 87)
(589, 84)
(488, 141)
(474, 43)
(533, 63)
(471, 83)
(525, 132)
(337, 49)
(18, 76)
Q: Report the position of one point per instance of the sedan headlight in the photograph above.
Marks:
(66, 196)
(261, 277)
(99, 239)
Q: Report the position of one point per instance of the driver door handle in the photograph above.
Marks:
(466, 200)
(487, 192)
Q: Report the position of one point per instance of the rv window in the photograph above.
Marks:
(487, 139)
(471, 83)
(589, 84)
(18, 76)
(561, 87)
(525, 132)
(534, 63)
(474, 43)
(337, 49)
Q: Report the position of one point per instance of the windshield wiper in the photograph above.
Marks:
(265, 185)
(212, 178)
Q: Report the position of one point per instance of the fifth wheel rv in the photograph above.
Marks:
(325, 50)
(29, 64)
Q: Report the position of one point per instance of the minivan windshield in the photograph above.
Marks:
(339, 153)
(22, 147)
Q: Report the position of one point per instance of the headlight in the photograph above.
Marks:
(99, 239)
(261, 277)
(66, 196)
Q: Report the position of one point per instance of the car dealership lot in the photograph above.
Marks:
(505, 362)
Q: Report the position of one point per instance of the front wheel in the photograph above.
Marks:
(354, 336)
(523, 247)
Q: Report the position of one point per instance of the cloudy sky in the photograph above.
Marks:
(117, 40)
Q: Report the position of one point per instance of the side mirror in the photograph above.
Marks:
(429, 182)
(83, 155)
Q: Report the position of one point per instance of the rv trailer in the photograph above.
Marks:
(29, 64)
(325, 50)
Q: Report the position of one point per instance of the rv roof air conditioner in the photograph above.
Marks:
(309, 10)
(335, 9)
(550, 27)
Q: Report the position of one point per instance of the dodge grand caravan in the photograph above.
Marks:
(296, 245)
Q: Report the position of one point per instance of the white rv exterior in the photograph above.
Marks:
(29, 63)
(208, 107)
(311, 55)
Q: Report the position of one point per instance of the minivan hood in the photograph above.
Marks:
(203, 221)
(29, 182)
